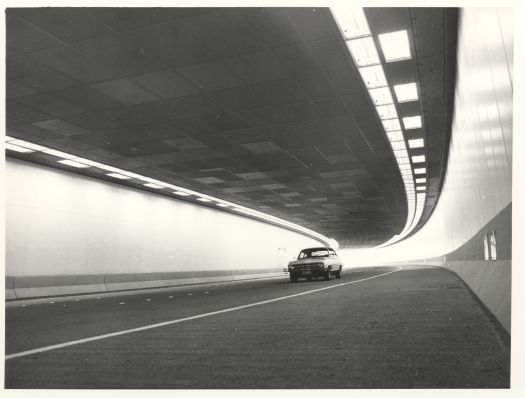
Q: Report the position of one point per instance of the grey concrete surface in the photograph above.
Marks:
(416, 328)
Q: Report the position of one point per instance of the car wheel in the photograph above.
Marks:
(339, 273)
(327, 275)
(293, 278)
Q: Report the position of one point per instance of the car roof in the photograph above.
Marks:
(318, 248)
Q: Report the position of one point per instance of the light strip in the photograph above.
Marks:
(17, 148)
(118, 176)
(395, 47)
(75, 161)
(72, 163)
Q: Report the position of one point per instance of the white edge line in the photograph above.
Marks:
(157, 325)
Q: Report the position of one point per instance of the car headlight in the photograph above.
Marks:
(290, 267)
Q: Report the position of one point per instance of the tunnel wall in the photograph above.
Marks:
(66, 234)
(476, 197)
(481, 159)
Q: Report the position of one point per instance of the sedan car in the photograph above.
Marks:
(315, 262)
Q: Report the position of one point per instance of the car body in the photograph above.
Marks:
(315, 262)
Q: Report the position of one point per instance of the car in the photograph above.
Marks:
(315, 262)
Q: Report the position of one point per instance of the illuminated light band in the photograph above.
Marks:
(81, 163)
(354, 28)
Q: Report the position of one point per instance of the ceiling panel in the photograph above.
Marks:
(259, 106)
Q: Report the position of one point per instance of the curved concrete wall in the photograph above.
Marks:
(477, 192)
(108, 237)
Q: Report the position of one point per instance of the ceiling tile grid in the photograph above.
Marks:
(261, 106)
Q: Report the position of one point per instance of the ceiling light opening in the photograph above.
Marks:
(412, 122)
(72, 163)
(416, 143)
(363, 51)
(395, 46)
(406, 92)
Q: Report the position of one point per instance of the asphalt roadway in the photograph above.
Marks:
(378, 327)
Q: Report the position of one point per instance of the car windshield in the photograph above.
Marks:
(309, 253)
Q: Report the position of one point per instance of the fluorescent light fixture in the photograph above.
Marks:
(88, 162)
(363, 51)
(17, 148)
(418, 159)
(72, 163)
(119, 176)
(8, 138)
(59, 154)
(110, 168)
(421, 170)
(416, 143)
(397, 145)
(412, 122)
(222, 205)
(381, 96)
(402, 160)
(406, 92)
(421, 180)
(396, 135)
(404, 167)
(152, 185)
(395, 46)
(351, 21)
(28, 145)
(182, 193)
(386, 112)
(401, 153)
(373, 76)
(391, 125)
(421, 188)
(132, 175)
(203, 199)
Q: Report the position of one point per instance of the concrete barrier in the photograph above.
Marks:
(9, 288)
(58, 285)
(55, 285)
(491, 281)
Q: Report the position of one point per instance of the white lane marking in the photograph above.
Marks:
(122, 303)
(148, 299)
(170, 297)
(158, 325)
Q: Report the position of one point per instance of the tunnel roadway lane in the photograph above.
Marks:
(416, 327)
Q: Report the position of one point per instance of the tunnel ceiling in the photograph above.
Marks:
(261, 107)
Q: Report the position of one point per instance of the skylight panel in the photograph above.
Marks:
(397, 145)
(381, 96)
(351, 21)
(373, 76)
(391, 125)
(416, 143)
(421, 170)
(363, 51)
(406, 92)
(418, 159)
(412, 122)
(396, 135)
(395, 46)
(386, 112)
(421, 180)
